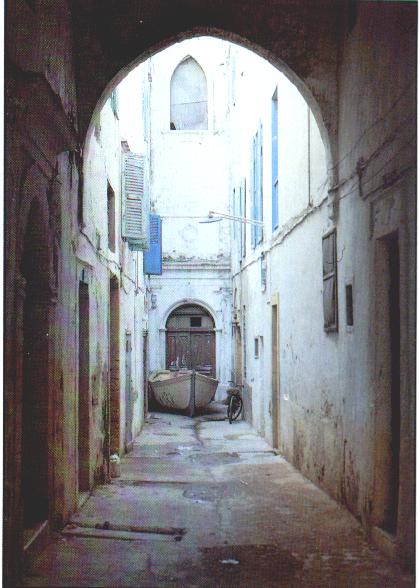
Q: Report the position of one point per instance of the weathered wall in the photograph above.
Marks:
(332, 389)
(103, 165)
(40, 168)
(377, 107)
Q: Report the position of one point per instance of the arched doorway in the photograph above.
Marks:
(35, 377)
(191, 339)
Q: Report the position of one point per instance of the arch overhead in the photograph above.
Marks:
(300, 39)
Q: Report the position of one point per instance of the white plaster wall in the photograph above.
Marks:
(328, 399)
(103, 164)
(211, 289)
(189, 169)
(189, 176)
(302, 184)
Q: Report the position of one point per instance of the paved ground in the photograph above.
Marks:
(201, 503)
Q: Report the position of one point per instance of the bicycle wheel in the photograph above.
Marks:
(234, 408)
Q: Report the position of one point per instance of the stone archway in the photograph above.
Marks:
(35, 399)
(34, 373)
(299, 39)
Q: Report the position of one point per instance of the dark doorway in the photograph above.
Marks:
(191, 340)
(84, 389)
(128, 392)
(388, 411)
(114, 363)
(35, 398)
(145, 374)
(275, 392)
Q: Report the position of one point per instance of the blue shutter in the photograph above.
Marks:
(254, 191)
(274, 163)
(152, 259)
(259, 229)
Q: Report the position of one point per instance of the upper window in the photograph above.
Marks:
(274, 162)
(329, 276)
(257, 186)
(189, 97)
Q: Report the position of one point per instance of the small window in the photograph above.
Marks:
(111, 217)
(256, 347)
(349, 305)
(195, 321)
(329, 276)
(188, 97)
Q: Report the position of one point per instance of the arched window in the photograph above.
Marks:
(188, 97)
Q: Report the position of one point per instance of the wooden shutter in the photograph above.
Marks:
(329, 276)
(259, 230)
(135, 217)
(254, 190)
(152, 259)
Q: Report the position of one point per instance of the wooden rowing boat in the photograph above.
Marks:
(183, 390)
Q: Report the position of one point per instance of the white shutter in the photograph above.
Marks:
(135, 209)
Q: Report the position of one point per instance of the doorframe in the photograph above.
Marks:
(275, 371)
(217, 328)
(388, 216)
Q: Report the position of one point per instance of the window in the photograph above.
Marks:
(111, 217)
(195, 321)
(349, 305)
(242, 212)
(188, 97)
(274, 163)
(257, 187)
(329, 276)
(135, 209)
(256, 347)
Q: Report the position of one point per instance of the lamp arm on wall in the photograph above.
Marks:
(241, 219)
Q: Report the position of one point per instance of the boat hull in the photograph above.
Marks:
(184, 391)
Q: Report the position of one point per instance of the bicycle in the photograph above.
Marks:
(235, 403)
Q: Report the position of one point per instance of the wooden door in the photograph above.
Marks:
(203, 352)
(191, 340)
(275, 386)
(178, 349)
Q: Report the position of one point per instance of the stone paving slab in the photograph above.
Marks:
(250, 519)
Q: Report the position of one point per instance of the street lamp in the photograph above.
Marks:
(216, 216)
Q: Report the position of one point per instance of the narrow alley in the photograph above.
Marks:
(205, 199)
(201, 503)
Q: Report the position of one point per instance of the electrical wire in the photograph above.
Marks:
(112, 261)
(379, 120)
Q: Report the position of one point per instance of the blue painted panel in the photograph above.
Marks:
(274, 163)
(152, 259)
